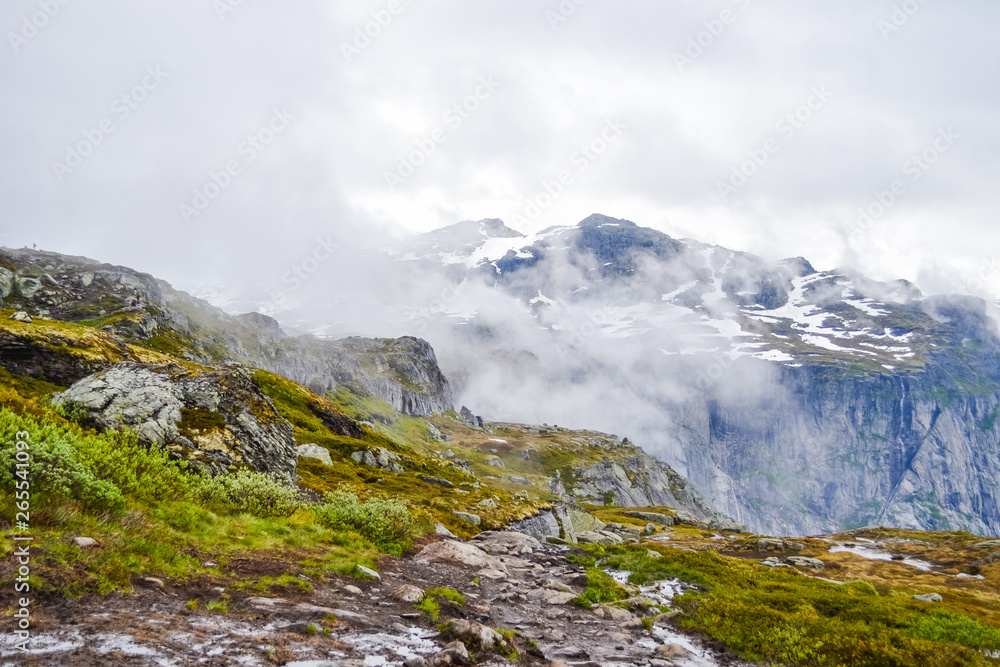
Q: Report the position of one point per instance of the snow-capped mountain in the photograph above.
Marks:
(795, 399)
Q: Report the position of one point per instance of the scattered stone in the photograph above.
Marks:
(488, 503)
(218, 590)
(486, 637)
(407, 593)
(314, 451)
(152, 581)
(928, 597)
(209, 564)
(84, 542)
(353, 590)
(802, 561)
(495, 461)
(437, 481)
(490, 573)
(368, 572)
(474, 519)
(378, 457)
(559, 598)
(613, 613)
(727, 526)
(526, 455)
(591, 537)
(770, 544)
(654, 554)
(21, 316)
(523, 481)
(439, 529)
(988, 560)
(684, 516)
(672, 652)
(773, 562)
(649, 529)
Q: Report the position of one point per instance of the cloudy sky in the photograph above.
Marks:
(220, 141)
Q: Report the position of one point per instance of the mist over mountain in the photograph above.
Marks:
(795, 400)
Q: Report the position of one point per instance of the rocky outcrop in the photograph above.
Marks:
(637, 480)
(215, 419)
(137, 307)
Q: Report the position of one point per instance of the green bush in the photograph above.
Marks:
(252, 492)
(944, 626)
(58, 469)
(384, 521)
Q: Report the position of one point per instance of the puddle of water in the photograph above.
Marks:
(873, 554)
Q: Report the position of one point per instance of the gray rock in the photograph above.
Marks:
(437, 481)
(988, 544)
(928, 597)
(727, 526)
(84, 542)
(6, 282)
(21, 316)
(592, 537)
(802, 561)
(368, 572)
(314, 451)
(442, 531)
(770, 544)
(684, 516)
(459, 553)
(407, 593)
(487, 503)
(27, 287)
(239, 426)
(495, 461)
(524, 481)
(378, 457)
(473, 519)
(654, 517)
(353, 590)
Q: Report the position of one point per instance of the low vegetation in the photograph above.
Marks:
(781, 616)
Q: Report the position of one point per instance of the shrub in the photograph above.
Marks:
(253, 492)
(384, 521)
(57, 470)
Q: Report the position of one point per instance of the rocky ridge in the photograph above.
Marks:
(136, 307)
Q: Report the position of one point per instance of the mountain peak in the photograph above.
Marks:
(600, 220)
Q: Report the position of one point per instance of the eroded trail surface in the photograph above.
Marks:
(509, 582)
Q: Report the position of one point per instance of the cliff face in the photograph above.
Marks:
(137, 307)
(829, 451)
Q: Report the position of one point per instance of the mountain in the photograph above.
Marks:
(795, 400)
(117, 339)
(176, 488)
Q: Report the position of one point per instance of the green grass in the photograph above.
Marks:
(430, 604)
(784, 617)
(601, 588)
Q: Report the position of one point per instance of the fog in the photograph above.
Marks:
(266, 157)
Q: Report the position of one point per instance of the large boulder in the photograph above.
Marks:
(459, 553)
(214, 418)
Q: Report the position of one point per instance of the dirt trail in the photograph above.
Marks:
(524, 586)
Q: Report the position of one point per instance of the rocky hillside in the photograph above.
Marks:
(796, 400)
(141, 309)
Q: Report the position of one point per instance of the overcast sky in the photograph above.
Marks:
(486, 101)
